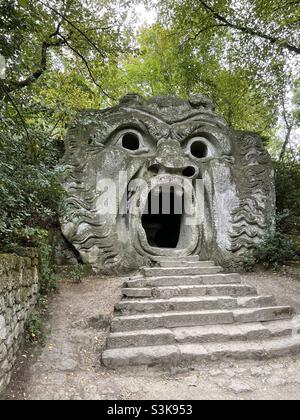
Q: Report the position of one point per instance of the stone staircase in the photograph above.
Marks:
(184, 310)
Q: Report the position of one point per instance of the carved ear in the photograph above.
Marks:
(132, 99)
(197, 101)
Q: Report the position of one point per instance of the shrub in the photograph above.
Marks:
(35, 328)
(29, 183)
(77, 273)
(275, 250)
(288, 196)
(248, 263)
(48, 280)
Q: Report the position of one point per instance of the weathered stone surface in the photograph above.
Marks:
(3, 329)
(180, 271)
(167, 355)
(164, 141)
(263, 314)
(192, 304)
(171, 319)
(180, 263)
(239, 387)
(141, 338)
(172, 280)
(177, 259)
(172, 291)
(213, 321)
(256, 301)
(189, 335)
(190, 318)
(176, 304)
(188, 353)
(18, 294)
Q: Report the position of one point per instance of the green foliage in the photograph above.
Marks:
(48, 280)
(248, 263)
(288, 196)
(35, 328)
(79, 33)
(29, 186)
(52, 53)
(276, 249)
(246, 65)
(77, 273)
(168, 65)
(43, 304)
(257, 32)
(69, 54)
(284, 244)
(243, 54)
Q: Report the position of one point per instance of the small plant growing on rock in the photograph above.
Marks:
(77, 273)
(35, 328)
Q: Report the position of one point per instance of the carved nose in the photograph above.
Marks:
(187, 171)
(171, 159)
(190, 171)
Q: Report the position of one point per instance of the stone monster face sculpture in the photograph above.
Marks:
(160, 177)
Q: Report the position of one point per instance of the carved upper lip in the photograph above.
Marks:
(138, 196)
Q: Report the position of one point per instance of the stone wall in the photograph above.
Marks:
(18, 295)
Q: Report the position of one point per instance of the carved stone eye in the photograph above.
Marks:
(199, 149)
(130, 141)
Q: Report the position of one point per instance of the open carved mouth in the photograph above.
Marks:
(166, 219)
(162, 217)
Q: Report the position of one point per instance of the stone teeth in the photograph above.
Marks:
(179, 192)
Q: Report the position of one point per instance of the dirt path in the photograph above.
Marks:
(68, 367)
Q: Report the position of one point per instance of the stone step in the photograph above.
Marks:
(178, 264)
(189, 353)
(200, 334)
(195, 318)
(177, 258)
(167, 292)
(180, 304)
(179, 271)
(173, 280)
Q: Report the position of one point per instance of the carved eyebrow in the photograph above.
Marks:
(155, 129)
(147, 113)
(181, 132)
(130, 124)
(175, 128)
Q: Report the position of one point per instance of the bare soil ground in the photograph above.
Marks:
(68, 366)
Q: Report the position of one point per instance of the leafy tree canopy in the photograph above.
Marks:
(63, 55)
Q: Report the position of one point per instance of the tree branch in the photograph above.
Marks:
(56, 124)
(38, 73)
(201, 31)
(248, 30)
(42, 66)
(285, 143)
(285, 6)
(12, 101)
(45, 47)
(289, 127)
(87, 66)
(92, 43)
